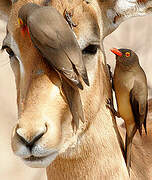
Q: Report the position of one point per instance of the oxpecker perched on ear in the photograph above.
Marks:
(53, 37)
(130, 85)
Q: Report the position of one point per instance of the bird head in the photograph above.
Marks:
(24, 12)
(125, 56)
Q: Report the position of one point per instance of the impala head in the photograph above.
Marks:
(44, 127)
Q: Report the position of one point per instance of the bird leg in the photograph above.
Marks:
(109, 104)
(128, 145)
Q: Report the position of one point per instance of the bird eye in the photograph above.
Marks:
(9, 51)
(91, 49)
(127, 54)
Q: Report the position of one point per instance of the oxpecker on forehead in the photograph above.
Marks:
(53, 37)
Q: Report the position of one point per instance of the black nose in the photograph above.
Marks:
(29, 142)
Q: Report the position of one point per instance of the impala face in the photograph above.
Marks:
(44, 127)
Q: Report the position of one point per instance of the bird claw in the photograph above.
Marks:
(109, 104)
(68, 17)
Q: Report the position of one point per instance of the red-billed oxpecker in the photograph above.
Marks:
(130, 85)
(53, 37)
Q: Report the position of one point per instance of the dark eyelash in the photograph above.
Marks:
(8, 50)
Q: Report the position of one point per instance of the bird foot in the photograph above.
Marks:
(68, 17)
(109, 105)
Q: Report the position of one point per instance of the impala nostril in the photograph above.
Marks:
(35, 139)
(46, 127)
(30, 138)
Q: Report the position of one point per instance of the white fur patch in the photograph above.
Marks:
(131, 7)
(124, 5)
(54, 91)
(13, 45)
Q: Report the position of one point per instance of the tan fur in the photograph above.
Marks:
(5, 7)
(94, 152)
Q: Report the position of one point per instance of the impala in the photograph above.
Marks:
(43, 135)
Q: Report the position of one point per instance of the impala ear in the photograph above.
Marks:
(117, 11)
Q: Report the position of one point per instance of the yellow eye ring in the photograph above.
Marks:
(20, 21)
(127, 54)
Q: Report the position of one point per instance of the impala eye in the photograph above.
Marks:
(8, 50)
(91, 49)
(127, 54)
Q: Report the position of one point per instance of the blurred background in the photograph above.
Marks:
(134, 34)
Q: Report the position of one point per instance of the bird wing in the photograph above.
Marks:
(139, 104)
(74, 101)
(55, 40)
(74, 54)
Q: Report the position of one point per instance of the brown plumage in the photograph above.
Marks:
(55, 40)
(130, 85)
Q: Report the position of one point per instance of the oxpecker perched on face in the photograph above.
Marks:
(53, 37)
